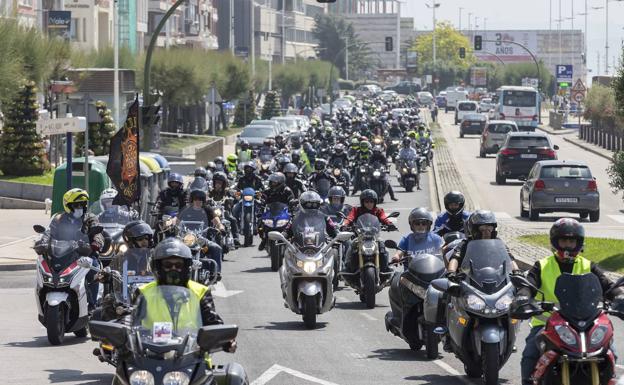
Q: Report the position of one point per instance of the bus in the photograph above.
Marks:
(519, 104)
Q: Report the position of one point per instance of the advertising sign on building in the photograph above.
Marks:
(497, 43)
(478, 76)
(58, 24)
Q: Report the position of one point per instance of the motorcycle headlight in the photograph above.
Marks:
(376, 174)
(309, 267)
(218, 212)
(395, 142)
(474, 302)
(597, 336)
(566, 334)
(176, 378)
(189, 239)
(141, 377)
(503, 302)
(265, 166)
(282, 222)
(123, 248)
(268, 222)
(108, 252)
(404, 169)
(362, 169)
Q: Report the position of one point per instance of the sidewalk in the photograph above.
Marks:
(17, 238)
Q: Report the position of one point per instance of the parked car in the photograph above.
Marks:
(494, 135)
(560, 185)
(472, 124)
(440, 101)
(256, 134)
(463, 108)
(520, 152)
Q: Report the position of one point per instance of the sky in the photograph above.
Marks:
(530, 14)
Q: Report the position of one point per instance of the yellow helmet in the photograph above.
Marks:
(75, 195)
(232, 159)
(412, 134)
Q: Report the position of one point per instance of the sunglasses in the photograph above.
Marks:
(420, 223)
(167, 265)
(486, 228)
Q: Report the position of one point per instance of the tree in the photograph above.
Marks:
(237, 81)
(616, 171)
(271, 105)
(448, 42)
(290, 81)
(245, 110)
(22, 151)
(99, 133)
(618, 86)
(600, 106)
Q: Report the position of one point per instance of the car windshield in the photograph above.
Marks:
(519, 98)
(467, 107)
(290, 123)
(570, 172)
(502, 128)
(257, 132)
(528, 141)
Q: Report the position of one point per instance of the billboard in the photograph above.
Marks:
(495, 43)
(58, 24)
(478, 76)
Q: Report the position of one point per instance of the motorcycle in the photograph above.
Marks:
(195, 235)
(408, 174)
(167, 350)
(393, 148)
(426, 153)
(480, 330)
(275, 218)
(407, 297)
(226, 240)
(378, 181)
(245, 212)
(368, 279)
(166, 226)
(60, 289)
(113, 223)
(342, 176)
(576, 343)
(307, 273)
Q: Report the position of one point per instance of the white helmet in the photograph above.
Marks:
(106, 198)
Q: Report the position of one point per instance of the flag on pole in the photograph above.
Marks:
(123, 160)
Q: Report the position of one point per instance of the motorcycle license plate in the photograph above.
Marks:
(566, 200)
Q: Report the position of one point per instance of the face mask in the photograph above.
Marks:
(77, 213)
(566, 256)
(173, 277)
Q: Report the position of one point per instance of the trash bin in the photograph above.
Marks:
(98, 181)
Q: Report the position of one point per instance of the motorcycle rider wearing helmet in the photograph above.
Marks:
(201, 172)
(336, 198)
(395, 131)
(310, 203)
(277, 192)
(200, 212)
(295, 184)
(321, 172)
(114, 213)
(354, 148)
(211, 167)
(567, 237)
(232, 164)
(408, 153)
(171, 264)
(174, 196)
(220, 164)
(280, 142)
(363, 157)
(339, 158)
(249, 178)
(218, 193)
(378, 157)
(267, 148)
(74, 225)
(421, 240)
(245, 153)
(454, 217)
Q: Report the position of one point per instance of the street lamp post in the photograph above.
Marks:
(460, 11)
(433, 7)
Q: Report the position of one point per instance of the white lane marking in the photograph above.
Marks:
(17, 241)
(368, 316)
(277, 369)
(219, 290)
(502, 215)
(621, 367)
(617, 218)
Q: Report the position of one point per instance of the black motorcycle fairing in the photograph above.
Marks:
(579, 298)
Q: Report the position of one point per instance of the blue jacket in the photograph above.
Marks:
(444, 223)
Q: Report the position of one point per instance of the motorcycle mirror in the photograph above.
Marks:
(617, 284)
(393, 214)
(95, 230)
(39, 229)
(548, 306)
(277, 236)
(114, 333)
(212, 338)
(389, 243)
(520, 281)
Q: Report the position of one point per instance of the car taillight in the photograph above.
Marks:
(539, 185)
(592, 185)
(509, 151)
(548, 152)
(69, 269)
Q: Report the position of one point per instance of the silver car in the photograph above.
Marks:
(494, 135)
(560, 186)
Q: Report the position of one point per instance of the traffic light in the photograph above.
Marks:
(462, 52)
(389, 43)
(478, 43)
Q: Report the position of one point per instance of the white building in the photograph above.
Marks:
(91, 23)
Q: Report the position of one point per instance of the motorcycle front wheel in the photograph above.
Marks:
(55, 324)
(489, 357)
(368, 286)
(309, 312)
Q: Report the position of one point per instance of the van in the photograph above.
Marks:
(464, 108)
(453, 97)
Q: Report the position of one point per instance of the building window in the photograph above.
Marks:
(26, 3)
(74, 29)
(84, 29)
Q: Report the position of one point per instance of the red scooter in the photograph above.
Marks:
(576, 341)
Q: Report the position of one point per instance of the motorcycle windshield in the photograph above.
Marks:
(60, 249)
(190, 215)
(487, 264)
(193, 226)
(172, 211)
(113, 217)
(322, 186)
(309, 230)
(134, 272)
(368, 225)
(579, 296)
(165, 315)
(265, 157)
(277, 209)
(199, 183)
(64, 229)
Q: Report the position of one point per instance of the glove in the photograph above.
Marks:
(84, 261)
(452, 276)
(230, 347)
(518, 272)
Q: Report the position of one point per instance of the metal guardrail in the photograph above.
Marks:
(611, 140)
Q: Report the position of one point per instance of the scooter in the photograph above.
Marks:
(407, 296)
(480, 330)
(307, 273)
(576, 343)
(275, 218)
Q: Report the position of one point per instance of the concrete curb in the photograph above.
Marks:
(587, 148)
(552, 131)
(18, 267)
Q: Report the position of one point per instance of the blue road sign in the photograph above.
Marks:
(564, 72)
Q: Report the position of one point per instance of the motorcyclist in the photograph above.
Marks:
(172, 196)
(200, 172)
(310, 203)
(395, 130)
(295, 184)
(421, 240)
(321, 172)
(363, 157)
(408, 153)
(245, 153)
(232, 164)
(454, 217)
(267, 148)
(114, 213)
(74, 224)
(335, 204)
(200, 212)
(379, 158)
(249, 178)
(280, 142)
(218, 193)
(211, 167)
(354, 148)
(220, 164)
(567, 237)
(339, 158)
(277, 192)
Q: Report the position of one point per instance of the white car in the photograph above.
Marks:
(463, 108)
(425, 98)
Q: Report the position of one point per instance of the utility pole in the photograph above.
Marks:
(606, 37)
(231, 25)
(283, 32)
(116, 105)
(253, 40)
(397, 45)
(559, 27)
(459, 25)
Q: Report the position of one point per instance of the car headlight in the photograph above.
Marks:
(566, 334)
(597, 336)
(503, 302)
(217, 212)
(376, 174)
(189, 239)
(268, 222)
(123, 248)
(176, 378)
(141, 377)
(474, 302)
(282, 222)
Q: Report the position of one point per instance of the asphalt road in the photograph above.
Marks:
(350, 345)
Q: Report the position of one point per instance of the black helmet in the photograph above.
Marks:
(368, 195)
(567, 228)
(171, 248)
(407, 142)
(420, 214)
(200, 171)
(454, 197)
(310, 200)
(249, 167)
(339, 148)
(283, 160)
(453, 236)
(478, 218)
(291, 168)
(336, 191)
(175, 178)
(244, 144)
(136, 229)
(198, 194)
(320, 164)
(220, 176)
(295, 156)
(277, 181)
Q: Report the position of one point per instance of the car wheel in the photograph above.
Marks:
(594, 216)
(500, 179)
(523, 213)
(584, 215)
(533, 214)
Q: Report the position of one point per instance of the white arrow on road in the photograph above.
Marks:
(277, 369)
(219, 290)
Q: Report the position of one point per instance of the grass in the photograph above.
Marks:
(228, 132)
(46, 179)
(608, 253)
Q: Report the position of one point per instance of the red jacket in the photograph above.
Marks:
(355, 213)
